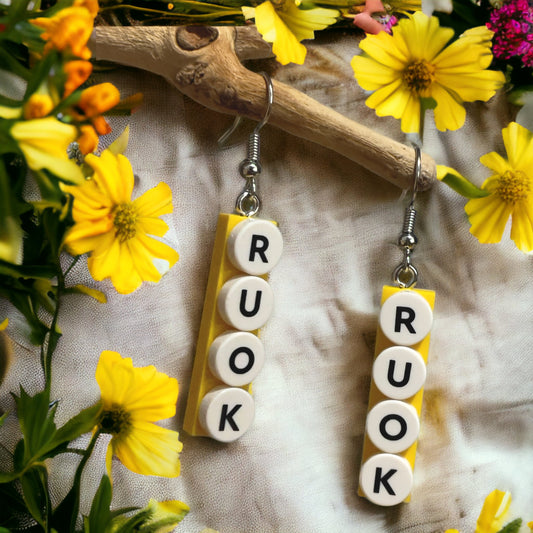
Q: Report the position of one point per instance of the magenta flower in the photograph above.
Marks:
(512, 25)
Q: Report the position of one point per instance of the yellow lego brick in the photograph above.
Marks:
(376, 396)
(212, 325)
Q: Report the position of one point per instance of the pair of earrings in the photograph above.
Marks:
(239, 301)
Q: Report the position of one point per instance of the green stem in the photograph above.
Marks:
(77, 481)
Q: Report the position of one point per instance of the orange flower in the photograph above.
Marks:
(37, 106)
(88, 140)
(67, 31)
(77, 71)
(90, 5)
(98, 99)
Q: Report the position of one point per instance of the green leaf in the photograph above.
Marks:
(459, 183)
(78, 425)
(13, 511)
(36, 419)
(43, 272)
(512, 527)
(35, 493)
(100, 514)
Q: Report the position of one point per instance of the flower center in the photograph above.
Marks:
(115, 420)
(513, 186)
(125, 219)
(419, 75)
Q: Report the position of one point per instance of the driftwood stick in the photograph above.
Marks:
(204, 63)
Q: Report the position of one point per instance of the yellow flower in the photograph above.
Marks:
(44, 143)
(414, 63)
(133, 398)
(493, 513)
(114, 229)
(165, 516)
(37, 106)
(285, 24)
(68, 30)
(511, 192)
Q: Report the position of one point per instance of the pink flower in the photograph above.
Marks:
(369, 23)
(512, 25)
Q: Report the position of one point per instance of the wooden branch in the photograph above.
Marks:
(204, 63)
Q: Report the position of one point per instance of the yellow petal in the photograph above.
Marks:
(149, 450)
(304, 22)
(284, 43)
(488, 217)
(143, 392)
(113, 173)
(85, 236)
(143, 260)
(154, 202)
(423, 36)
(159, 249)
(152, 396)
(115, 377)
(449, 113)
(480, 85)
(370, 74)
(519, 146)
(44, 143)
(493, 512)
(104, 259)
(522, 226)
(124, 276)
(495, 162)
(386, 49)
(390, 100)
(152, 226)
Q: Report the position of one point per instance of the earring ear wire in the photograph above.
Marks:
(406, 275)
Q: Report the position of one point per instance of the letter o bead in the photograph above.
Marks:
(406, 318)
(386, 479)
(255, 246)
(245, 302)
(392, 425)
(226, 413)
(236, 357)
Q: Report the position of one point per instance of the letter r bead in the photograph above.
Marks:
(395, 399)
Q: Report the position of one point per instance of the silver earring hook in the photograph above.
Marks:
(248, 203)
(238, 119)
(406, 274)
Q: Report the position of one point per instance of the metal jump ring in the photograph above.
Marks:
(405, 275)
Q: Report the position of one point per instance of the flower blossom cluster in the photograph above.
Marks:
(512, 25)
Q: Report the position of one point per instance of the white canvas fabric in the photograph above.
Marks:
(296, 470)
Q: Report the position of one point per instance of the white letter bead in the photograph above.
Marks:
(226, 413)
(245, 302)
(255, 246)
(386, 479)
(236, 357)
(406, 318)
(399, 372)
(392, 425)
